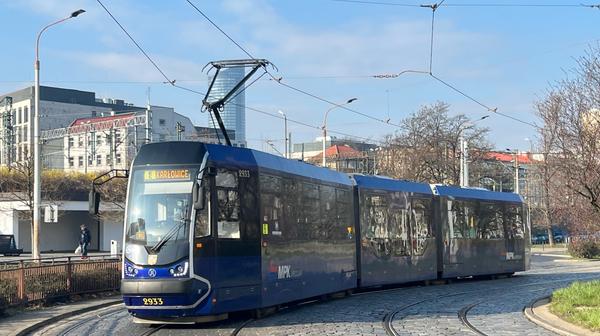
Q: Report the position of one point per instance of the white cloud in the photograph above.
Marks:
(135, 67)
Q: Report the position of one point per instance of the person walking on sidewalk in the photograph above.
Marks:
(84, 240)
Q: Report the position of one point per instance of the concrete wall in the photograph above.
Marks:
(64, 235)
(111, 228)
(61, 236)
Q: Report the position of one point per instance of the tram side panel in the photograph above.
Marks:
(481, 237)
(397, 242)
(308, 246)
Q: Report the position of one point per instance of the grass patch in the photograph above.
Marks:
(579, 304)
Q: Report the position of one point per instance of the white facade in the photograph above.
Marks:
(113, 141)
(58, 108)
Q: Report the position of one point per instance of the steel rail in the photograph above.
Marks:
(389, 317)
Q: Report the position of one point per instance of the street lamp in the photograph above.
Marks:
(464, 155)
(324, 127)
(35, 244)
(515, 153)
(286, 133)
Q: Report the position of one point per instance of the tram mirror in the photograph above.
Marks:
(198, 196)
(94, 202)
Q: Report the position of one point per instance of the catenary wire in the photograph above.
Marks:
(398, 4)
(172, 82)
(134, 42)
(278, 80)
(219, 28)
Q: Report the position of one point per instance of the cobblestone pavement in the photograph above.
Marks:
(493, 307)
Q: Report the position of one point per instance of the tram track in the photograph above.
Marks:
(236, 326)
(388, 319)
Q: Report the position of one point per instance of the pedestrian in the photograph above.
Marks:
(84, 240)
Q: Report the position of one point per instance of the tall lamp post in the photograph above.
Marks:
(35, 244)
(286, 133)
(515, 153)
(349, 101)
(464, 152)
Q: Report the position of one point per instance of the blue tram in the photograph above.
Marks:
(211, 230)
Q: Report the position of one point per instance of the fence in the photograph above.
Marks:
(25, 282)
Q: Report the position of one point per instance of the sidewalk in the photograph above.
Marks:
(23, 322)
(539, 313)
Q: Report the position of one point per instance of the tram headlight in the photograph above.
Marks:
(130, 271)
(180, 270)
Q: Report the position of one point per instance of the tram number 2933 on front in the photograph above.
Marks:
(153, 301)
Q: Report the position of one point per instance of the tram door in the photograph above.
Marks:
(237, 249)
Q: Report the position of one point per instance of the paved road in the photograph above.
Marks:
(493, 307)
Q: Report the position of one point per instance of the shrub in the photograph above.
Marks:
(584, 247)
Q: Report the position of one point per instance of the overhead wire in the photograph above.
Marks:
(173, 83)
(278, 80)
(387, 3)
(134, 42)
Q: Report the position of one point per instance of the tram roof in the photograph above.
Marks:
(389, 184)
(244, 157)
(480, 194)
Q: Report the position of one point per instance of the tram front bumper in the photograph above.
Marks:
(159, 297)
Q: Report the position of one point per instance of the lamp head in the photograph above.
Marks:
(351, 100)
(77, 13)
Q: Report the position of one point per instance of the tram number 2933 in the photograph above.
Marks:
(153, 301)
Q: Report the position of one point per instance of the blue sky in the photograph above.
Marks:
(506, 57)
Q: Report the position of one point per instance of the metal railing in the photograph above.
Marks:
(27, 281)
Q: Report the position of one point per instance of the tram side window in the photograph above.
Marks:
(272, 206)
(514, 225)
(327, 227)
(399, 223)
(344, 213)
(421, 227)
(376, 217)
(228, 220)
(202, 225)
(294, 222)
(311, 209)
(490, 221)
(462, 219)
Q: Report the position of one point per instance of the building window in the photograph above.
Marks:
(161, 137)
(19, 111)
(118, 158)
(80, 161)
(80, 141)
(71, 142)
(25, 114)
(99, 160)
(71, 162)
(108, 159)
(98, 139)
(117, 137)
(90, 160)
(162, 122)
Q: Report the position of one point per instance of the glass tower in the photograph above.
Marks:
(233, 113)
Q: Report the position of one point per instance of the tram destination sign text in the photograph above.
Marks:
(167, 175)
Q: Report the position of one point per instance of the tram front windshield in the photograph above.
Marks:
(158, 215)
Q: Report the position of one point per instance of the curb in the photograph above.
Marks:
(62, 316)
(560, 327)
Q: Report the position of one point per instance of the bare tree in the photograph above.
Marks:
(427, 148)
(571, 134)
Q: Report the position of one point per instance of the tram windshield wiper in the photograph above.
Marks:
(174, 230)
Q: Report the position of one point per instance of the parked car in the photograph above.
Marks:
(539, 239)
